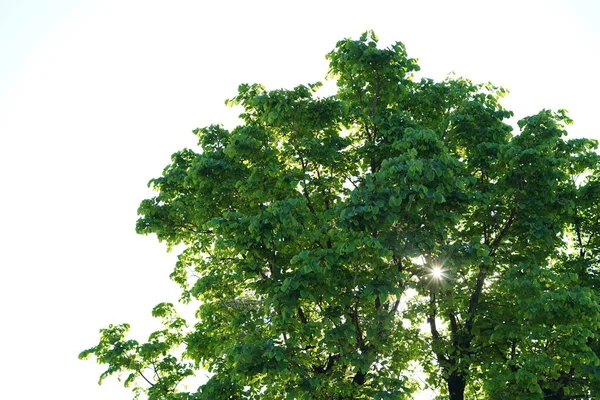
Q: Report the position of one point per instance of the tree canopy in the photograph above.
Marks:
(339, 247)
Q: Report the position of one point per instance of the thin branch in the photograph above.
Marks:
(507, 224)
(435, 334)
(395, 306)
(431, 318)
(359, 335)
(486, 239)
(453, 323)
(474, 300)
(301, 315)
(156, 371)
(304, 190)
(351, 181)
(146, 379)
(484, 269)
(591, 236)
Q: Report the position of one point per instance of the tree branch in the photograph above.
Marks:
(453, 323)
(301, 316)
(304, 190)
(142, 375)
(474, 300)
(331, 359)
(359, 335)
(507, 224)
(435, 334)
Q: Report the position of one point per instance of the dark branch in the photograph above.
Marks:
(301, 315)
(507, 224)
(331, 359)
(435, 334)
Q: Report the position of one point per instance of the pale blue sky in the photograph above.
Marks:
(96, 95)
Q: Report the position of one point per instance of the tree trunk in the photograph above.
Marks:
(456, 386)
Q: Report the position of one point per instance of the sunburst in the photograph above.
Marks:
(437, 272)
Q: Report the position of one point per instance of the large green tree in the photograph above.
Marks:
(335, 245)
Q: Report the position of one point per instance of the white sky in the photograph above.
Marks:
(96, 95)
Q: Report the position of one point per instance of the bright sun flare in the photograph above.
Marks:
(437, 272)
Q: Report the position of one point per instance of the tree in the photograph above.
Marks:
(334, 244)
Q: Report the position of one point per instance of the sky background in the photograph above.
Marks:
(96, 95)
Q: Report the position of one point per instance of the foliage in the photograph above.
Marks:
(310, 234)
